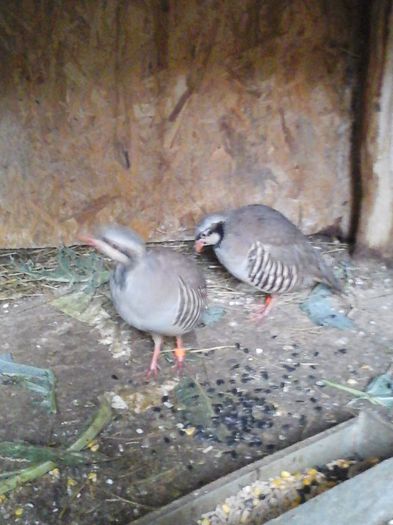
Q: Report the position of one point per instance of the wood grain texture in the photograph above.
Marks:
(151, 113)
(375, 233)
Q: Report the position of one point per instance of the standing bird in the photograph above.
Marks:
(156, 290)
(261, 247)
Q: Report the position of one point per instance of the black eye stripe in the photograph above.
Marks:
(116, 246)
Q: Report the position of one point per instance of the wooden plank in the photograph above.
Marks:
(375, 233)
(152, 113)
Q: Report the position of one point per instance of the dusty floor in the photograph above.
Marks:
(263, 384)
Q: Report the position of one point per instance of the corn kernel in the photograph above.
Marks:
(312, 472)
(55, 473)
(93, 446)
(205, 521)
(71, 482)
(3, 499)
(276, 482)
(285, 474)
(226, 508)
(190, 431)
(92, 476)
(19, 512)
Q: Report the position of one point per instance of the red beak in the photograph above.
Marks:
(86, 239)
(199, 245)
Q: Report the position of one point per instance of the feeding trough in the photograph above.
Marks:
(367, 435)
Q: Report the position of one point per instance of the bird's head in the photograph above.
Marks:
(117, 242)
(209, 232)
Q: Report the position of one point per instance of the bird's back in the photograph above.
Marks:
(263, 248)
(163, 293)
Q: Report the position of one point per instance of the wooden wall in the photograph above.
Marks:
(152, 112)
(375, 228)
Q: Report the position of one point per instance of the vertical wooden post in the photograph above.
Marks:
(375, 232)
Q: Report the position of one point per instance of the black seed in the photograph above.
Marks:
(342, 350)
(190, 467)
(166, 439)
(211, 390)
(318, 408)
(295, 354)
(114, 376)
(237, 345)
(270, 447)
(232, 381)
(191, 385)
(181, 432)
(286, 426)
(285, 376)
(246, 350)
(153, 451)
(234, 367)
(255, 443)
(156, 409)
(282, 384)
(289, 368)
(313, 400)
(316, 353)
(220, 381)
(313, 367)
(311, 376)
(264, 374)
(267, 391)
(234, 454)
(164, 399)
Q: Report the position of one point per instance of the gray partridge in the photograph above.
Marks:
(261, 247)
(155, 290)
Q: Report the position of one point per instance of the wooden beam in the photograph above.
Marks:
(375, 232)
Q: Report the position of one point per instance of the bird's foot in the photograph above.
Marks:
(180, 355)
(152, 371)
(263, 310)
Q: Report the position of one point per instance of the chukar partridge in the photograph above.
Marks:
(261, 247)
(155, 290)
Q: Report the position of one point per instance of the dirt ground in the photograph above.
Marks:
(260, 390)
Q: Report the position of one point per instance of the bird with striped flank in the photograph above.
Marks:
(261, 247)
(155, 290)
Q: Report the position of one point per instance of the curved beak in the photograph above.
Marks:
(86, 239)
(199, 245)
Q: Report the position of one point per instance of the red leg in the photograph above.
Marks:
(180, 354)
(263, 310)
(153, 368)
